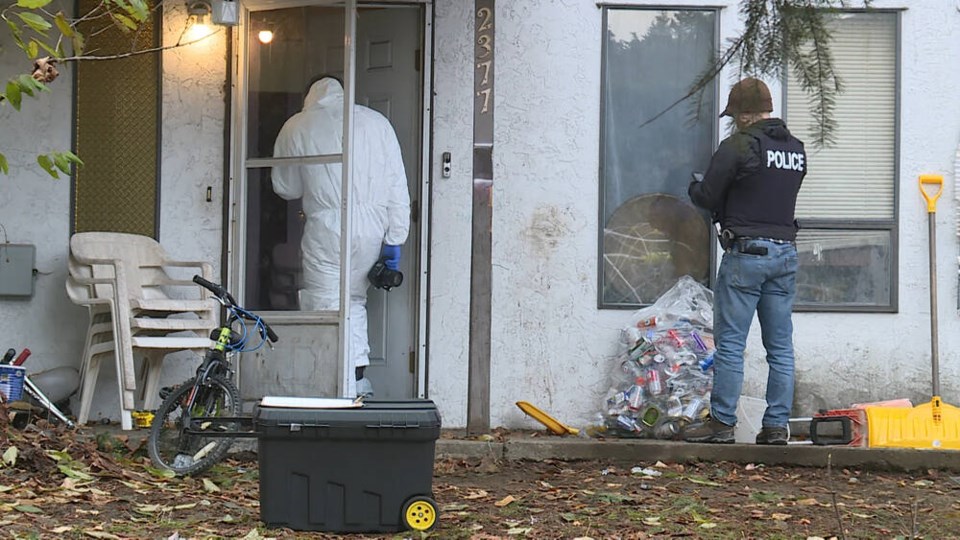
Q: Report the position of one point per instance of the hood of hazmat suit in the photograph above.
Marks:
(378, 195)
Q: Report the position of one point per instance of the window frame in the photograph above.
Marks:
(715, 127)
(893, 224)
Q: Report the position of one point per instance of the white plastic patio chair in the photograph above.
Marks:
(129, 270)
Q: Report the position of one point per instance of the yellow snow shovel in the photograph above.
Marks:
(552, 424)
(934, 424)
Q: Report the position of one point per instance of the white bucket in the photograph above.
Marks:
(749, 419)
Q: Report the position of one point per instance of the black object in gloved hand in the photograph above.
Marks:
(384, 278)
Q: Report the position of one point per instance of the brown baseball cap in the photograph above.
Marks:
(748, 96)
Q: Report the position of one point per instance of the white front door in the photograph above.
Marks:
(307, 40)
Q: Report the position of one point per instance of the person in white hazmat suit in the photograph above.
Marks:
(379, 197)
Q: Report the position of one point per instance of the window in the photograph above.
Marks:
(651, 234)
(847, 205)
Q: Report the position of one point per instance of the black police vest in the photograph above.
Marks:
(762, 202)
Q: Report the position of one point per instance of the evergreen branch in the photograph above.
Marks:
(701, 83)
(779, 35)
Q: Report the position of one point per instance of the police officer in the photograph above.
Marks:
(751, 187)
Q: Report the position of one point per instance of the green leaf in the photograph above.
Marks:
(32, 4)
(65, 469)
(38, 23)
(13, 94)
(126, 24)
(62, 25)
(703, 482)
(10, 454)
(78, 43)
(614, 498)
(61, 162)
(33, 49)
(28, 84)
(73, 158)
(139, 10)
(28, 508)
(14, 29)
(56, 53)
(160, 473)
(3, 164)
(47, 165)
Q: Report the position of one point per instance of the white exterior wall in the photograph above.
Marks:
(35, 208)
(192, 156)
(550, 343)
(448, 339)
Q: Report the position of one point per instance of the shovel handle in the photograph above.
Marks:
(937, 180)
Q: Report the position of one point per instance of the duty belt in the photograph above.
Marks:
(766, 239)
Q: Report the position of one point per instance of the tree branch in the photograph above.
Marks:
(176, 45)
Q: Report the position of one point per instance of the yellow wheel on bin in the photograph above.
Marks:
(420, 513)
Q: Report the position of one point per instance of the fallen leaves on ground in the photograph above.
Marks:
(60, 484)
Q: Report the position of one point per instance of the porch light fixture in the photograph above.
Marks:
(265, 36)
(220, 12)
(198, 10)
(198, 17)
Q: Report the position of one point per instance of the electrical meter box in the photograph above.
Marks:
(16, 269)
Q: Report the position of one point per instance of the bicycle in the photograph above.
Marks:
(190, 431)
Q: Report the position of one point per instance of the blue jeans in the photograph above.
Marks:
(765, 285)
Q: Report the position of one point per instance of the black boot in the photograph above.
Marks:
(773, 435)
(709, 431)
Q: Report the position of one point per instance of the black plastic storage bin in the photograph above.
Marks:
(364, 469)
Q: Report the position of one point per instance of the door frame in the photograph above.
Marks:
(235, 253)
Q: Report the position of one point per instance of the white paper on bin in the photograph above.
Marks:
(309, 402)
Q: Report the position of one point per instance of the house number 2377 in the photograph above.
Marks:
(484, 54)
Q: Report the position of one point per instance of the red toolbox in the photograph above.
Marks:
(839, 427)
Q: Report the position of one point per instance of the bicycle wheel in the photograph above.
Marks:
(171, 448)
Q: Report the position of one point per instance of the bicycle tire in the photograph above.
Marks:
(166, 445)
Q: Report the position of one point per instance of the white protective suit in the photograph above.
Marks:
(379, 198)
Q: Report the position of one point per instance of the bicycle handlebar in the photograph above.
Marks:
(222, 294)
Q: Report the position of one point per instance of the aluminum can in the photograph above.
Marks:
(626, 423)
(649, 322)
(693, 409)
(701, 346)
(667, 430)
(675, 338)
(653, 382)
(635, 396)
(706, 363)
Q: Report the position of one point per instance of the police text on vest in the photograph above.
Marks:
(789, 161)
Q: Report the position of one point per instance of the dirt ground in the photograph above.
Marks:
(53, 485)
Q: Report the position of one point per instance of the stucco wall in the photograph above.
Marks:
(449, 302)
(35, 209)
(190, 228)
(551, 345)
(192, 154)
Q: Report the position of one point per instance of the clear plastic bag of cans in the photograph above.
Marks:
(661, 378)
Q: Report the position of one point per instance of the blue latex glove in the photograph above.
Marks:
(391, 257)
